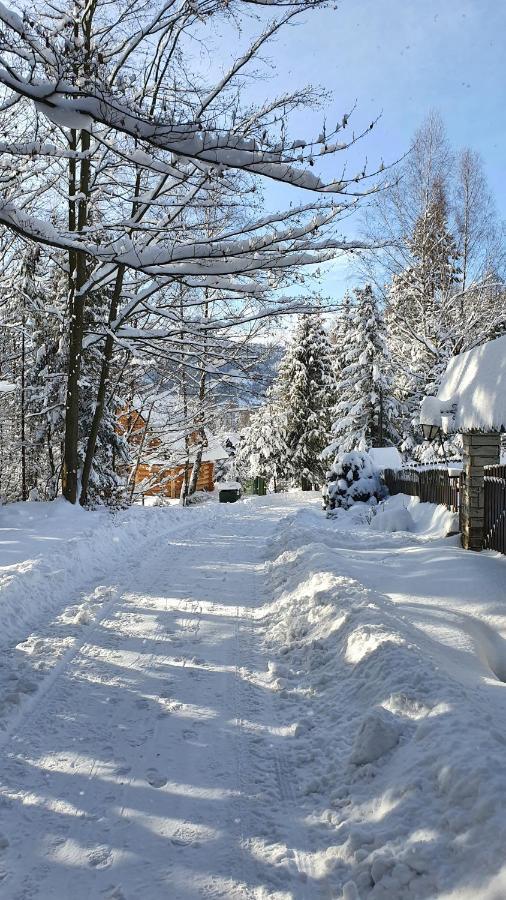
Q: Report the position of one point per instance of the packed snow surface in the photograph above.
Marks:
(250, 701)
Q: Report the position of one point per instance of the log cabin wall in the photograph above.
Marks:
(169, 481)
(160, 479)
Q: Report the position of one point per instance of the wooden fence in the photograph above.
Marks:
(431, 485)
(495, 508)
(437, 486)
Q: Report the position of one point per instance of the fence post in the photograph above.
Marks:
(479, 450)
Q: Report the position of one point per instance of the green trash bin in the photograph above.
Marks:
(229, 495)
(259, 486)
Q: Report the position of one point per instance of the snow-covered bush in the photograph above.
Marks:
(352, 478)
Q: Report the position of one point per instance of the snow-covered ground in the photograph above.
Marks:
(250, 701)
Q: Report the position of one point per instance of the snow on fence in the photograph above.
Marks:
(438, 486)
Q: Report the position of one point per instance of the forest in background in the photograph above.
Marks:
(433, 288)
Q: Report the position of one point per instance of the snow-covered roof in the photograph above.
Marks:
(385, 458)
(472, 394)
(176, 455)
(6, 387)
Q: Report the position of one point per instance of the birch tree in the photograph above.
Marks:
(107, 140)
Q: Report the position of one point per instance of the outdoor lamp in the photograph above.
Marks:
(430, 432)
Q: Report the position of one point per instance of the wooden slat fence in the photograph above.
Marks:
(437, 486)
(495, 508)
(431, 485)
(462, 483)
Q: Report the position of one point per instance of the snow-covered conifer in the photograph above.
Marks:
(365, 409)
(423, 313)
(338, 335)
(263, 448)
(306, 392)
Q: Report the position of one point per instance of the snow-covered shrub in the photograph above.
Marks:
(352, 478)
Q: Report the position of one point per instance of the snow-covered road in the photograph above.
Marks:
(148, 763)
(250, 702)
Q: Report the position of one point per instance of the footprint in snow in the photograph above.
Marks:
(155, 778)
(114, 893)
(100, 857)
(4, 842)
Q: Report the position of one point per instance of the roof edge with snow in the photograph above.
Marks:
(472, 394)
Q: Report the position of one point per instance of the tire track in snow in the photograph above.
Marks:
(170, 788)
(83, 613)
(295, 835)
(30, 715)
(293, 871)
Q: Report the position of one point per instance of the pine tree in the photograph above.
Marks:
(306, 393)
(46, 381)
(28, 310)
(338, 336)
(365, 411)
(263, 449)
(423, 314)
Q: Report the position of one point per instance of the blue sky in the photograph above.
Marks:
(401, 58)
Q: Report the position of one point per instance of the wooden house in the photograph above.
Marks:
(161, 464)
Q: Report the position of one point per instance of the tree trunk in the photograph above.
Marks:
(192, 487)
(24, 491)
(380, 424)
(104, 375)
(70, 458)
(102, 391)
(194, 477)
(184, 487)
(77, 278)
(139, 455)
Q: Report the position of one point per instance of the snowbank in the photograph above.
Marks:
(404, 513)
(53, 558)
(50, 551)
(399, 754)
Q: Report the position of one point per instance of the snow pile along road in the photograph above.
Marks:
(53, 558)
(48, 550)
(399, 757)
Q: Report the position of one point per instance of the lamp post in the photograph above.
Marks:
(431, 432)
